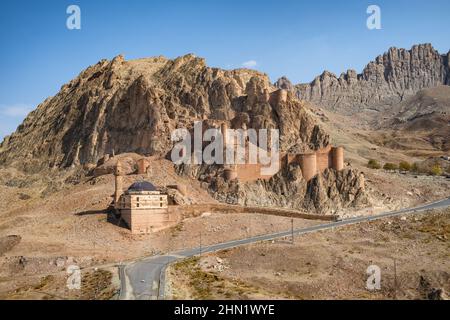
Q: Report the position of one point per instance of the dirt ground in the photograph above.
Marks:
(41, 236)
(412, 253)
(50, 221)
(394, 190)
(96, 284)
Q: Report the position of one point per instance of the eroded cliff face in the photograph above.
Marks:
(326, 193)
(388, 80)
(133, 106)
(123, 106)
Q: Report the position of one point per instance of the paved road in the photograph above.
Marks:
(145, 279)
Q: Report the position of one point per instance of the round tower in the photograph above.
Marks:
(118, 188)
(337, 158)
(308, 164)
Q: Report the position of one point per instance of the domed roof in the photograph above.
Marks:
(142, 186)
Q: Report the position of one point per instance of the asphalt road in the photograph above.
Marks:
(145, 279)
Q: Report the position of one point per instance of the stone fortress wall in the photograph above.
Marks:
(311, 163)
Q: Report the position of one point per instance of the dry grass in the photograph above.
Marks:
(204, 285)
(96, 285)
(329, 265)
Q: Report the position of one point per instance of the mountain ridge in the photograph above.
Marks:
(123, 106)
(388, 79)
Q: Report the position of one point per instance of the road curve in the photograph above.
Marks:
(145, 279)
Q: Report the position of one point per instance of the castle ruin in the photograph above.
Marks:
(311, 163)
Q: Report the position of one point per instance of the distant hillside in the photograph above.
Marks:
(426, 115)
(388, 80)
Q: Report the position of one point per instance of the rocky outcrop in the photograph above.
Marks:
(120, 107)
(388, 80)
(124, 106)
(326, 193)
(284, 83)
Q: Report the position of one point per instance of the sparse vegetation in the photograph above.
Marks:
(390, 166)
(436, 170)
(45, 281)
(208, 285)
(373, 164)
(201, 282)
(404, 166)
(97, 285)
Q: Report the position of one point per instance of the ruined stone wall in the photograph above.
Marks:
(308, 164)
(337, 155)
(251, 172)
(324, 159)
(311, 164)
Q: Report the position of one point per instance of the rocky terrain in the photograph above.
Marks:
(120, 106)
(56, 183)
(422, 120)
(133, 106)
(327, 193)
(397, 109)
(411, 252)
(386, 81)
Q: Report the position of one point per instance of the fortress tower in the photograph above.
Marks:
(308, 164)
(337, 156)
(118, 187)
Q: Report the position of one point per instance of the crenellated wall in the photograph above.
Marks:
(311, 163)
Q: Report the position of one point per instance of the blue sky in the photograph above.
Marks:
(295, 38)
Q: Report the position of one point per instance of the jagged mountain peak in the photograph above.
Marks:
(133, 106)
(388, 79)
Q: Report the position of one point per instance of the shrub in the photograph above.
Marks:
(390, 166)
(373, 164)
(404, 166)
(415, 167)
(436, 170)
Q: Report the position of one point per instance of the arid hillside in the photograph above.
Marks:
(397, 109)
(422, 120)
(123, 106)
(411, 252)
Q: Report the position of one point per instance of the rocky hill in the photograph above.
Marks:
(421, 120)
(123, 106)
(388, 80)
